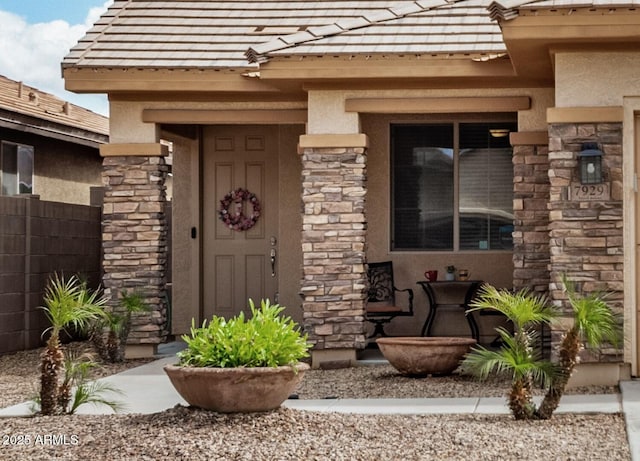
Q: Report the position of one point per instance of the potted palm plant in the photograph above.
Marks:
(241, 365)
(68, 303)
(594, 323)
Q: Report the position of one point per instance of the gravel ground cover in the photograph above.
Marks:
(383, 381)
(185, 433)
(20, 372)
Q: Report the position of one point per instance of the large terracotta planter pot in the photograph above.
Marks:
(420, 356)
(231, 390)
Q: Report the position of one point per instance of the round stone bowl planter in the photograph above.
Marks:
(420, 356)
(235, 390)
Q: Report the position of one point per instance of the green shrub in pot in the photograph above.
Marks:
(241, 364)
(266, 339)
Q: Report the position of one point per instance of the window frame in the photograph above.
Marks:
(455, 122)
(17, 146)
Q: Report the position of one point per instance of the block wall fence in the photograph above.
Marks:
(38, 238)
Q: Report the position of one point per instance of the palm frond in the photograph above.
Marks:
(77, 365)
(594, 320)
(516, 359)
(522, 308)
(96, 393)
(69, 302)
(482, 362)
(133, 302)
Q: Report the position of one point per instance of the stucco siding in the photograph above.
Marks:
(63, 172)
(67, 176)
(596, 79)
(327, 108)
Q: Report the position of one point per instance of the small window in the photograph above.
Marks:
(452, 186)
(16, 169)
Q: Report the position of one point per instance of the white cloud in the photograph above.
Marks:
(32, 53)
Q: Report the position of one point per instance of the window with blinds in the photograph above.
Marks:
(452, 186)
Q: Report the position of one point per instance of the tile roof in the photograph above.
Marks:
(435, 27)
(508, 9)
(201, 34)
(217, 34)
(15, 97)
(210, 34)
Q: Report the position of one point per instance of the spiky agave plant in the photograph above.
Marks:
(66, 303)
(518, 356)
(594, 323)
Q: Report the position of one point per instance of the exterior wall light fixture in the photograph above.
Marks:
(590, 158)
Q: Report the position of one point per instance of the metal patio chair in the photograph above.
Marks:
(381, 301)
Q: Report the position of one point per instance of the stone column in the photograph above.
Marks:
(586, 234)
(531, 217)
(134, 236)
(333, 246)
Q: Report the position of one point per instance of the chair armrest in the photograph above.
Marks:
(410, 291)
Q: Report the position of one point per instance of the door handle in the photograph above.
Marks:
(273, 262)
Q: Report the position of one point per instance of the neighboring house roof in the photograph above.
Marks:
(25, 108)
(208, 34)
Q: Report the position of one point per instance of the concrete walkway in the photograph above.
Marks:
(148, 390)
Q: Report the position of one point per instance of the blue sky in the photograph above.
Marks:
(35, 11)
(36, 34)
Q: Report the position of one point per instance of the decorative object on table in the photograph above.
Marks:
(421, 356)
(231, 213)
(463, 274)
(451, 273)
(431, 275)
(381, 305)
(222, 370)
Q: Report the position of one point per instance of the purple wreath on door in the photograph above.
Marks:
(231, 210)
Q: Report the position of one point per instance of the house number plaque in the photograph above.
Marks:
(588, 192)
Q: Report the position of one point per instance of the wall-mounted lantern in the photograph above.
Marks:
(590, 158)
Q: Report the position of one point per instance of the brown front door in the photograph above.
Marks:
(239, 264)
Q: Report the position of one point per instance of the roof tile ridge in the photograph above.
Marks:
(506, 10)
(45, 95)
(77, 116)
(255, 53)
(102, 32)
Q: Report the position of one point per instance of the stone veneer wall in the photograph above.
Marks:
(135, 239)
(586, 237)
(333, 247)
(531, 218)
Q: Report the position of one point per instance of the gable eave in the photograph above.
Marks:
(534, 34)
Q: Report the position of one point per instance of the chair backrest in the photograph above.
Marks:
(381, 283)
